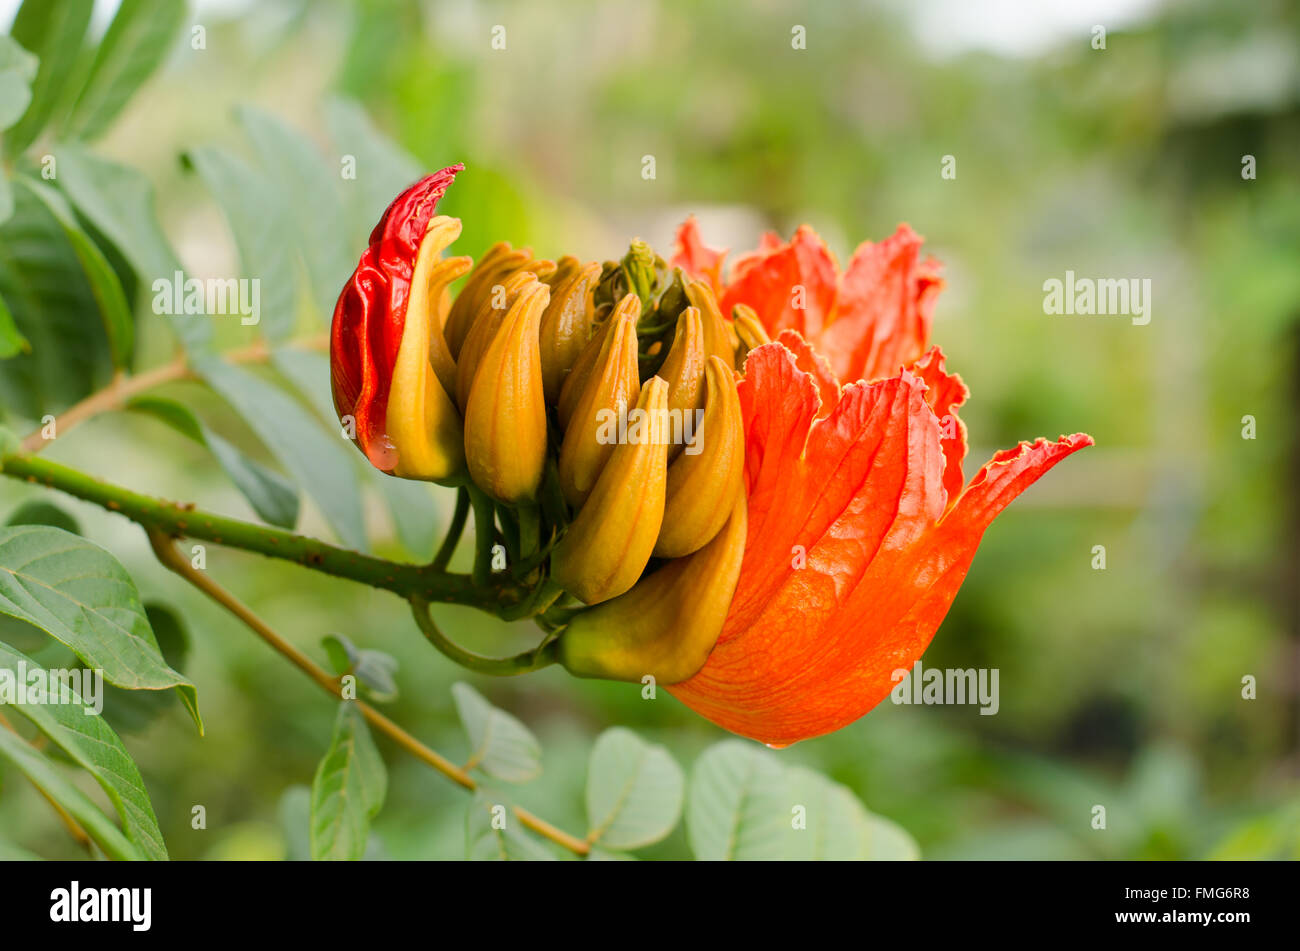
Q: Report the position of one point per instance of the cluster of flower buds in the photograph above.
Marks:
(597, 404)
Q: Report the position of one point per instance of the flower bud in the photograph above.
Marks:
(423, 424)
(749, 329)
(612, 381)
(565, 268)
(640, 272)
(575, 381)
(566, 326)
(666, 626)
(505, 415)
(707, 478)
(683, 369)
(384, 363)
(493, 268)
(491, 314)
(719, 338)
(605, 549)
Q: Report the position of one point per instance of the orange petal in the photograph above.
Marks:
(815, 365)
(945, 392)
(882, 316)
(807, 650)
(789, 287)
(696, 258)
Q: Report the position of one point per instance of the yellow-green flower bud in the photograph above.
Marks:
(422, 423)
(707, 478)
(750, 331)
(493, 268)
(666, 626)
(683, 369)
(719, 338)
(607, 546)
(566, 326)
(505, 416)
(491, 314)
(613, 382)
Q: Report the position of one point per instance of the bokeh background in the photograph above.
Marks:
(1120, 687)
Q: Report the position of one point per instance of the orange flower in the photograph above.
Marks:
(861, 527)
(867, 322)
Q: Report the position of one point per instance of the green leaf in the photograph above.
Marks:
(118, 201)
(382, 168)
(41, 512)
(92, 744)
(259, 220)
(272, 497)
(310, 189)
(46, 777)
(17, 70)
(634, 791)
(889, 842)
(53, 307)
(737, 806)
(6, 212)
(294, 815)
(114, 311)
(604, 855)
(53, 31)
(131, 711)
(12, 342)
(412, 503)
(15, 853)
(836, 826)
(833, 822)
(373, 669)
(500, 745)
(347, 791)
(322, 465)
(137, 41)
(81, 595)
(493, 834)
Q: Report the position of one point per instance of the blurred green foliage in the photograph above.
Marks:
(1120, 687)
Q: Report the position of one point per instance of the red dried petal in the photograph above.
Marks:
(370, 314)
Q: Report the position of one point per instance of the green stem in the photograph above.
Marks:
(530, 529)
(493, 593)
(454, 531)
(484, 535)
(542, 656)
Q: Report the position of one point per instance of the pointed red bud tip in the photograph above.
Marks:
(370, 315)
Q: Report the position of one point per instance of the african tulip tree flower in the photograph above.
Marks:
(772, 543)
(861, 526)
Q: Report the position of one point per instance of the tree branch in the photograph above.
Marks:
(123, 387)
(183, 520)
